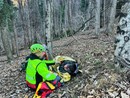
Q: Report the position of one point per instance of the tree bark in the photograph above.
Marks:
(15, 38)
(42, 18)
(69, 16)
(104, 13)
(49, 27)
(112, 16)
(97, 23)
(28, 26)
(66, 16)
(5, 40)
(22, 16)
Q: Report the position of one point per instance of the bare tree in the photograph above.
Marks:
(5, 40)
(15, 37)
(42, 11)
(49, 26)
(112, 16)
(66, 19)
(22, 16)
(97, 22)
(5, 14)
(104, 13)
(70, 16)
(28, 25)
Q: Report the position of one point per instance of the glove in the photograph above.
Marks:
(56, 81)
(58, 78)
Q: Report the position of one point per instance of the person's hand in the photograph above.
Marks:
(58, 78)
(57, 82)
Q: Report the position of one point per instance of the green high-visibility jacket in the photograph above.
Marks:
(37, 66)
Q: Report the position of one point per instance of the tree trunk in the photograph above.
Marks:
(22, 16)
(104, 13)
(97, 24)
(69, 16)
(54, 21)
(15, 38)
(28, 26)
(66, 16)
(49, 27)
(5, 40)
(112, 16)
(42, 18)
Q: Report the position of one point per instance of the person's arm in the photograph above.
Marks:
(49, 62)
(45, 73)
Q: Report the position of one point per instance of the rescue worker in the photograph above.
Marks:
(37, 71)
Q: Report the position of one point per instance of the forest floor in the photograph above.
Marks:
(99, 78)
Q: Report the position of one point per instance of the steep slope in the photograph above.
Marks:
(98, 78)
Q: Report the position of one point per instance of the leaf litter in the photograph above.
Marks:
(99, 78)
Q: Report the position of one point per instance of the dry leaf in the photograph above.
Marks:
(26, 96)
(128, 91)
(124, 95)
(90, 96)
